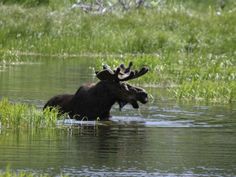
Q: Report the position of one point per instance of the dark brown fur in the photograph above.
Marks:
(95, 101)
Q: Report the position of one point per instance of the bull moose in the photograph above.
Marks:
(95, 100)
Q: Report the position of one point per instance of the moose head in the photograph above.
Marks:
(95, 100)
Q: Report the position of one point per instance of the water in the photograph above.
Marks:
(163, 138)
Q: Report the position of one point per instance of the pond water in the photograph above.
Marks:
(162, 138)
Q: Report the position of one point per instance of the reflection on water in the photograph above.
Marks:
(163, 138)
(122, 150)
(44, 78)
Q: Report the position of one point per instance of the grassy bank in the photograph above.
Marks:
(204, 78)
(166, 30)
(189, 47)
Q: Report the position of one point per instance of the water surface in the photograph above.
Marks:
(162, 138)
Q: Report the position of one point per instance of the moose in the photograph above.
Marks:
(95, 100)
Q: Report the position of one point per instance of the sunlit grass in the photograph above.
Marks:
(168, 29)
(17, 115)
(11, 173)
(190, 78)
(20, 174)
(188, 46)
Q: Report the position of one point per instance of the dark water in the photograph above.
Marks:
(163, 138)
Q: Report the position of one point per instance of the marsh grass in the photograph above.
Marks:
(190, 78)
(18, 115)
(189, 45)
(11, 173)
(168, 29)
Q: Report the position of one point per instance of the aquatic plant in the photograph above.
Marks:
(11, 173)
(17, 115)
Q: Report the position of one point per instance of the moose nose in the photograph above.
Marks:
(144, 98)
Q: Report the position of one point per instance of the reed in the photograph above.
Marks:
(18, 115)
(11, 173)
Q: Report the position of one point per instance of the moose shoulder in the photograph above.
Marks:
(95, 100)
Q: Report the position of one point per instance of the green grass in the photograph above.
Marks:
(10, 173)
(18, 115)
(172, 29)
(189, 78)
(188, 45)
(21, 174)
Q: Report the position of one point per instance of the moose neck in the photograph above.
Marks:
(94, 101)
(104, 95)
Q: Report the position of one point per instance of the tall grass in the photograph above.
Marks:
(170, 29)
(188, 45)
(189, 78)
(11, 173)
(17, 115)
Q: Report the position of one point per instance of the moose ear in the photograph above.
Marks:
(105, 74)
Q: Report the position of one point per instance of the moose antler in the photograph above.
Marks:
(126, 70)
(134, 74)
(121, 73)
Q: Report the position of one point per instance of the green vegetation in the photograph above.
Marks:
(169, 30)
(20, 174)
(188, 45)
(191, 78)
(17, 115)
(11, 173)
